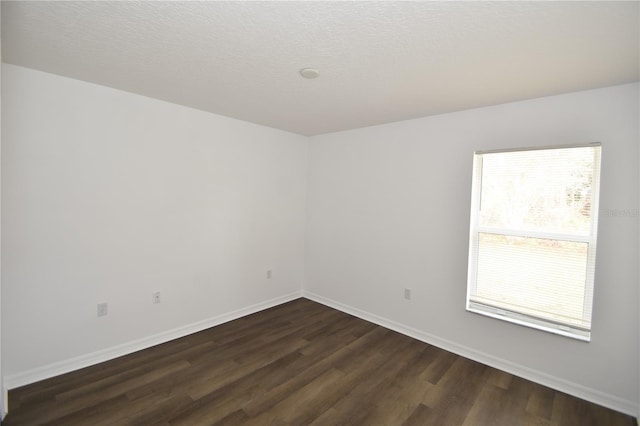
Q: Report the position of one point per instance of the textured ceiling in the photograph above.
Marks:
(379, 61)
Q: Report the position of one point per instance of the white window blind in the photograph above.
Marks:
(533, 237)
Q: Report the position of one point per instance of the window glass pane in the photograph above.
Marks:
(538, 277)
(541, 190)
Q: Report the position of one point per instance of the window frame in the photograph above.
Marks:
(545, 324)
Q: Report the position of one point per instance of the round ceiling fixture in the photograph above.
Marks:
(309, 72)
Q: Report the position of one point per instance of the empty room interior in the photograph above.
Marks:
(320, 212)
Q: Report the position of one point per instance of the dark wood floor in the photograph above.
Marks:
(300, 363)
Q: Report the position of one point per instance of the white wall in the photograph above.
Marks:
(2, 390)
(388, 208)
(110, 196)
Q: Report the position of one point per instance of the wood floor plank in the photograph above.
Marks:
(442, 362)
(383, 394)
(500, 379)
(227, 397)
(540, 401)
(492, 406)
(419, 416)
(316, 397)
(158, 414)
(299, 363)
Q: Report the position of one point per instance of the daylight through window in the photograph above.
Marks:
(533, 237)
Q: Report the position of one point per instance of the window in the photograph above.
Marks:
(532, 245)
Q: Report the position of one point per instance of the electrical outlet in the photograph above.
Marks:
(156, 297)
(102, 309)
(268, 274)
(407, 293)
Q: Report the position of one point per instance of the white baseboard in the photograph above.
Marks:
(66, 366)
(588, 394)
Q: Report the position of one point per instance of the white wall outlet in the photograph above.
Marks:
(156, 297)
(268, 274)
(407, 293)
(102, 309)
